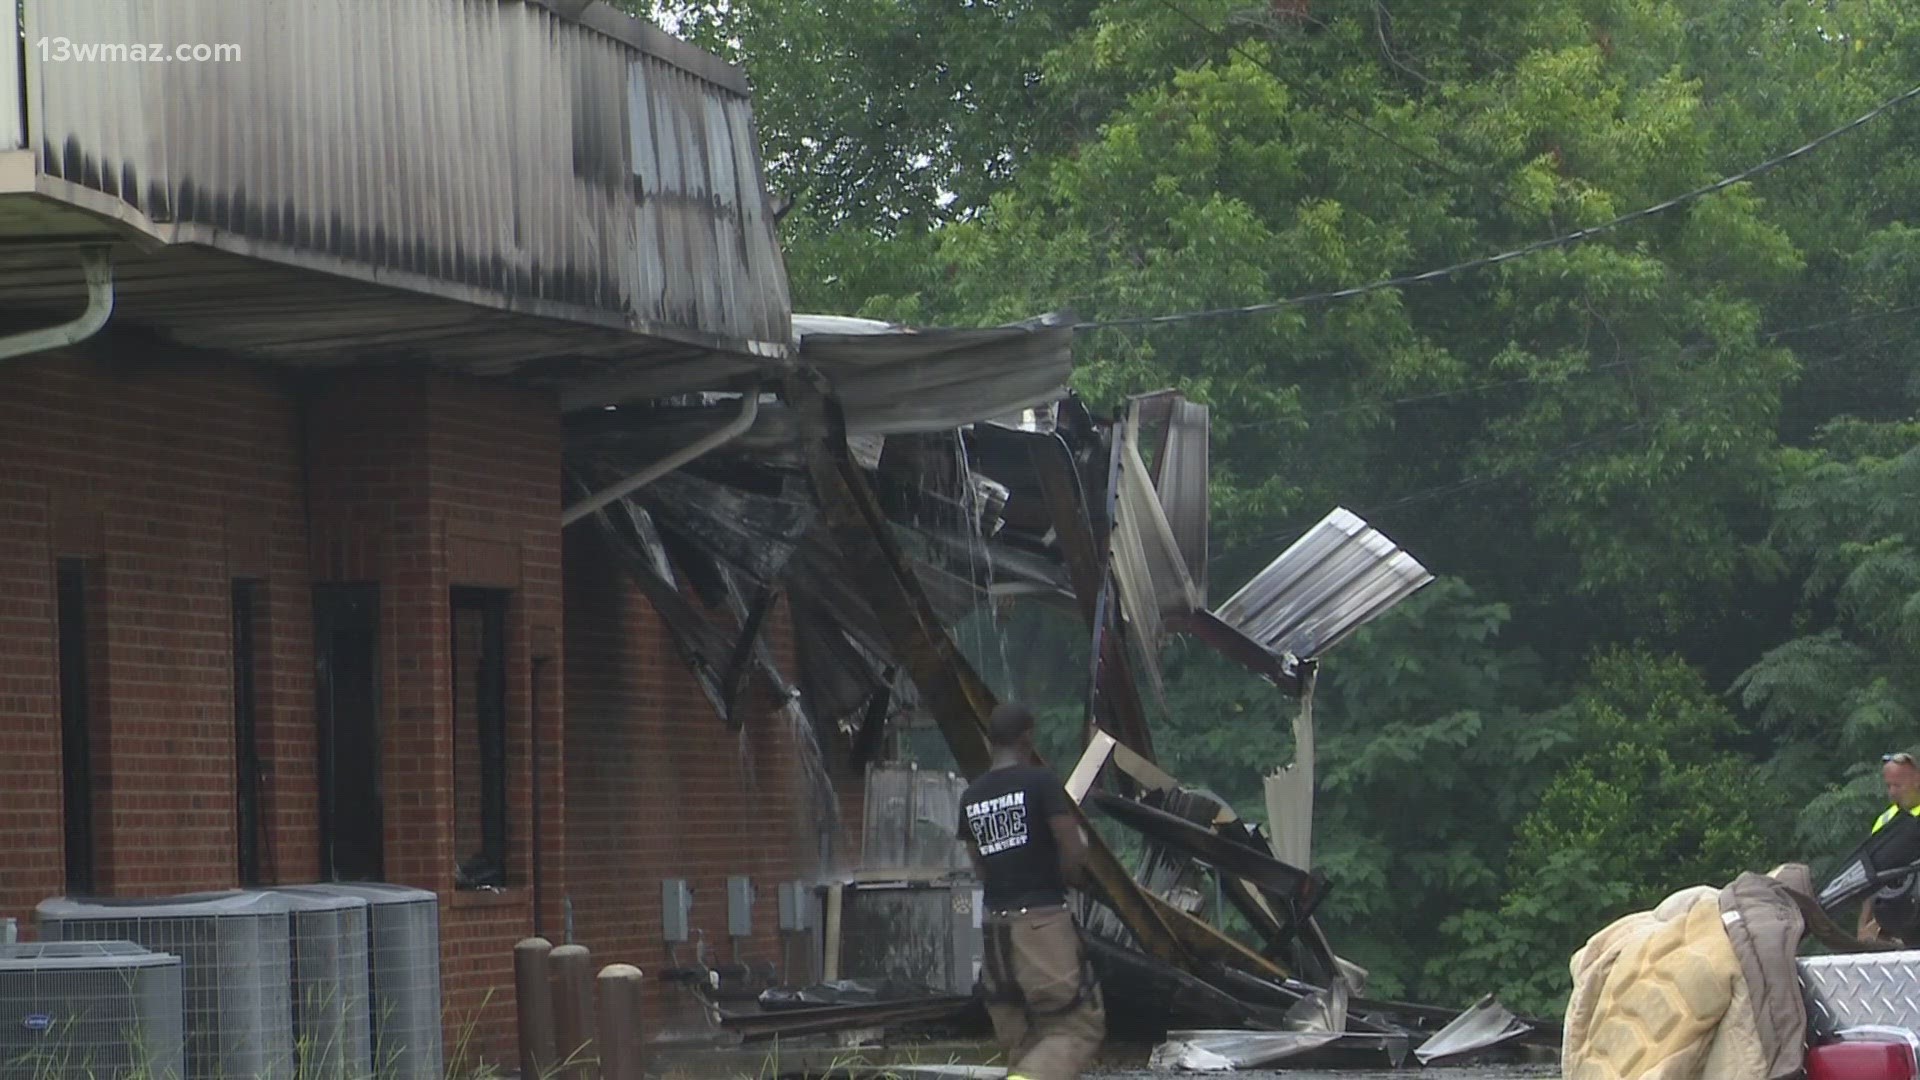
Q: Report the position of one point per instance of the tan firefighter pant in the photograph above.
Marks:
(1046, 1007)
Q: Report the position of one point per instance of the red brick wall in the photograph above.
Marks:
(658, 786)
(422, 485)
(176, 475)
(173, 477)
(496, 497)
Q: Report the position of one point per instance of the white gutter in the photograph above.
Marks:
(749, 410)
(99, 270)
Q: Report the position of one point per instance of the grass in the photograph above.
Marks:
(62, 1057)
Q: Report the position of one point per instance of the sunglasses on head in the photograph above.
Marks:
(1901, 758)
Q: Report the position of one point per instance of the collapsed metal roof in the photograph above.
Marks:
(906, 478)
(994, 482)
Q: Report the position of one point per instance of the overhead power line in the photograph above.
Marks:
(1589, 371)
(1567, 450)
(1564, 240)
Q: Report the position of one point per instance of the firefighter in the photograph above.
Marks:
(1027, 848)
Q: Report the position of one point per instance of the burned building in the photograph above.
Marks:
(413, 475)
(291, 342)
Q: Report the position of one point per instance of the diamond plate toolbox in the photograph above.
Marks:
(1869, 988)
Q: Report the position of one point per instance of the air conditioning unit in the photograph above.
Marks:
(332, 1003)
(912, 933)
(108, 1008)
(236, 970)
(403, 976)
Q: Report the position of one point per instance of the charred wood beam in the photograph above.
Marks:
(1258, 915)
(1301, 890)
(961, 701)
(1258, 908)
(1066, 505)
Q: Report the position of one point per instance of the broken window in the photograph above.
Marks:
(480, 736)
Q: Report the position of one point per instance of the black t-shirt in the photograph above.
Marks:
(1006, 812)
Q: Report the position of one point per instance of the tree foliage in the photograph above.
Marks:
(1667, 476)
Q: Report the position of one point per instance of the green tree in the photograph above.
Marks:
(1845, 691)
(1654, 804)
(1684, 447)
(1430, 746)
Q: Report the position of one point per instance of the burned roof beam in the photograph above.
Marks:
(1103, 750)
(1302, 891)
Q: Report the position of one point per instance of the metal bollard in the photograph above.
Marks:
(533, 998)
(573, 1011)
(620, 1042)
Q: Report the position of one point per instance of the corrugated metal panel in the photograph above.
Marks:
(488, 150)
(13, 107)
(1337, 577)
(1154, 583)
(1180, 478)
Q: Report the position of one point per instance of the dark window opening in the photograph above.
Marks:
(480, 737)
(76, 639)
(246, 732)
(347, 687)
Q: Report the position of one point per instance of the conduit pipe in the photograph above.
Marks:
(99, 270)
(749, 410)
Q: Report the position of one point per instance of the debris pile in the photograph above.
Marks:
(899, 481)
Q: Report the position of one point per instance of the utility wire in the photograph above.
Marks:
(1684, 352)
(1567, 450)
(1563, 451)
(1862, 316)
(1563, 240)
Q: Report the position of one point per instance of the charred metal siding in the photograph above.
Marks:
(485, 149)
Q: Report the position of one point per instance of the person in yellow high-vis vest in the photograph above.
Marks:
(1901, 773)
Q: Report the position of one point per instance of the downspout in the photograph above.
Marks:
(97, 263)
(749, 410)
